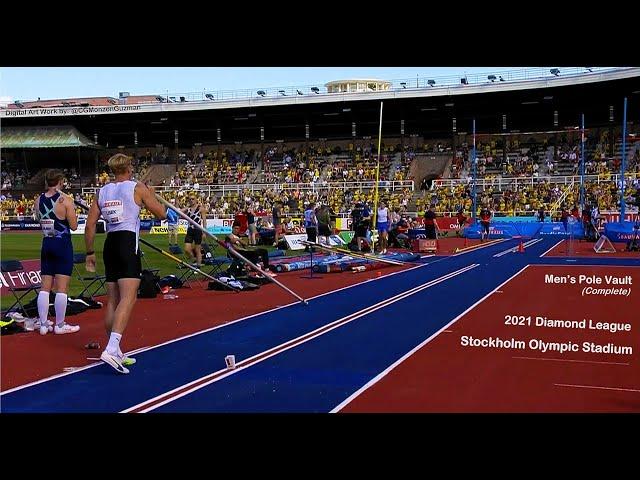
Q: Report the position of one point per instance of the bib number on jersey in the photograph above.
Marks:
(113, 211)
(48, 227)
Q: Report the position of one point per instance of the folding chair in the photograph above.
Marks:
(216, 264)
(208, 260)
(80, 258)
(146, 265)
(11, 266)
(185, 276)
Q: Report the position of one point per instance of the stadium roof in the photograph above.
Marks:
(525, 80)
(63, 136)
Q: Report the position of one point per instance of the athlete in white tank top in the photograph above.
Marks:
(116, 202)
(118, 206)
(382, 224)
(383, 215)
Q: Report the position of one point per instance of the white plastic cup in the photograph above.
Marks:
(230, 360)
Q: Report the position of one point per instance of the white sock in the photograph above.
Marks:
(43, 307)
(61, 308)
(113, 347)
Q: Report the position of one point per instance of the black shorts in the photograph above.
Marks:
(361, 231)
(121, 256)
(193, 236)
(324, 230)
(430, 231)
(312, 233)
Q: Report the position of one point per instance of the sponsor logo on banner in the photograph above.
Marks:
(181, 222)
(344, 223)
(336, 241)
(24, 278)
(293, 241)
(21, 225)
(219, 226)
(444, 223)
(347, 236)
(182, 230)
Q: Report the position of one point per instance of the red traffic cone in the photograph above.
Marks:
(521, 247)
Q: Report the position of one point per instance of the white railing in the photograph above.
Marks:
(514, 182)
(396, 185)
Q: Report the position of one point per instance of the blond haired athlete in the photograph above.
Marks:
(119, 203)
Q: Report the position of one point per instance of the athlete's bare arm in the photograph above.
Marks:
(90, 235)
(146, 196)
(70, 212)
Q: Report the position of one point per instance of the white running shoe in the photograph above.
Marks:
(43, 330)
(114, 361)
(64, 328)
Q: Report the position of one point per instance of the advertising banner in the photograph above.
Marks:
(30, 275)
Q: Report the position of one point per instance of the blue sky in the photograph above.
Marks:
(67, 82)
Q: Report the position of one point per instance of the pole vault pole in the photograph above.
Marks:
(582, 193)
(624, 160)
(230, 249)
(375, 198)
(167, 254)
(474, 169)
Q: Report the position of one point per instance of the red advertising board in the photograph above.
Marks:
(444, 223)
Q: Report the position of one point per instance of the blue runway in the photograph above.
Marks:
(314, 376)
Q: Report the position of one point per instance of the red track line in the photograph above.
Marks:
(202, 382)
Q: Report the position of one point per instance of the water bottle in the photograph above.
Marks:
(170, 296)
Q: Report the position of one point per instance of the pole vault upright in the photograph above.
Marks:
(582, 193)
(474, 170)
(623, 165)
(375, 197)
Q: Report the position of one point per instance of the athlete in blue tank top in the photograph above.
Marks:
(57, 216)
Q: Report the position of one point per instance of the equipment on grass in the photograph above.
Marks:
(230, 249)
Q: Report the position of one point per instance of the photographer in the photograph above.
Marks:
(361, 217)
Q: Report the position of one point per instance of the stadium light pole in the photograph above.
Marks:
(474, 163)
(624, 158)
(582, 193)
